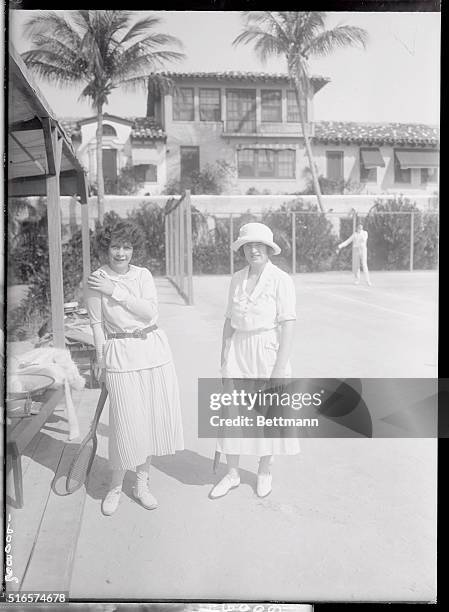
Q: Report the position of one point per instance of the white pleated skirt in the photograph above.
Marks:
(253, 355)
(144, 415)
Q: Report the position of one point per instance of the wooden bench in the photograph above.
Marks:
(20, 433)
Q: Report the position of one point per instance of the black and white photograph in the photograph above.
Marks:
(207, 208)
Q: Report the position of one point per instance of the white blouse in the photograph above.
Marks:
(358, 239)
(132, 305)
(272, 301)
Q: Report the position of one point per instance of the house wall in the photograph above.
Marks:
(238, 204)
(385, 176)
(218, 144)
(128, 153)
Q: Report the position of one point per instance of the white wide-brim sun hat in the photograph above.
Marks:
(256, 232)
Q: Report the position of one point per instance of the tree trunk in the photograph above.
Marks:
(316, 184)
(100, 178)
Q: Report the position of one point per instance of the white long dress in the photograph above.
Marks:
(251, 351)
(144, 413)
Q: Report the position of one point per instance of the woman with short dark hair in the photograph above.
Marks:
(135, 360)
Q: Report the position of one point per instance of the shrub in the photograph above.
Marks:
(315, 239)
(389, 235)
(212, 179)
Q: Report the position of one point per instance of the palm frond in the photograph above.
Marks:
(140, 27)
(58, 75)
(339, 37)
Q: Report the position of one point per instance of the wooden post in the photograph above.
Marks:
(54, 245)
(166, 245)
(189, 246)
(293, 243)
(354, 223)
(182, 267)
(72, 216)
(412, 239)
(176, 239)
(85, 238)
(172, 244)
(231, 240)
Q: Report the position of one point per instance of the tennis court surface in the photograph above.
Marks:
(344, 330)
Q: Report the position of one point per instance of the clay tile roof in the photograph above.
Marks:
(376, 133)
(317, 80)
(143, 128)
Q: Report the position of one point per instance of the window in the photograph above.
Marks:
(108, 130)
(334, 166)
(271, 105)
(292, 108)
(367, 175)
(266, 163)
(429, 175)
(401, 175)
(246, 163)
(241, 110)
(183, 109)
(190, 161)
(286, 163)
(210, 105)
(146, 173)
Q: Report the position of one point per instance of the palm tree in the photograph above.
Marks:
(297, 36)
(102, 50)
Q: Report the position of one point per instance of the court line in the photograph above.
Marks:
(387, 293)
(398, 312)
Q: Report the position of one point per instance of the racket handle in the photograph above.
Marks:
(74, 430)
(216, 461)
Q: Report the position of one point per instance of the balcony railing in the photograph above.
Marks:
(264, 129)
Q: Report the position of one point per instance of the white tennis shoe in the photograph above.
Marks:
(264, 482)
(110, 503)
(223, 487)
(141, 493)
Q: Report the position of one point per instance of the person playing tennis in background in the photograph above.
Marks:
(359, 241)
(257, 341)
(136, 362)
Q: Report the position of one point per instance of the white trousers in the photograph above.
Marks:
(360, 256)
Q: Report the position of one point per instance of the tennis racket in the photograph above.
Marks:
(82, 462)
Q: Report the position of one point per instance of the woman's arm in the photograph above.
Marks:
(144, 306)
(285, 348)
(228, 331)
(346, 242)
(93, 304)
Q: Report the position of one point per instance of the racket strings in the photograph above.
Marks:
(80, 467)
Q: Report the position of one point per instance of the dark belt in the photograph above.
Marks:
(137, 333)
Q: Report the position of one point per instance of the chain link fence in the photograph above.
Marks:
(308, 240)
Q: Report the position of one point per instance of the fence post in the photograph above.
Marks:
(293, 243)
(231, 240)
(189, 248)
(166, 246)
(354, 223)
(182, 266)
(176, 242)
(412, 239)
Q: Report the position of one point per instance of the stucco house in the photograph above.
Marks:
(250, 121)
(137, 144)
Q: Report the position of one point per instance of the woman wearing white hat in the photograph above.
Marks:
(257, 339)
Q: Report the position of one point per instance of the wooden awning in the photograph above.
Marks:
(31, 155)
(371, 158)
(419, 158)
(42, 162)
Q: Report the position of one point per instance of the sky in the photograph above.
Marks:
(395, 79)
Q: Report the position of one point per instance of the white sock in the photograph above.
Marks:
(117, 479)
